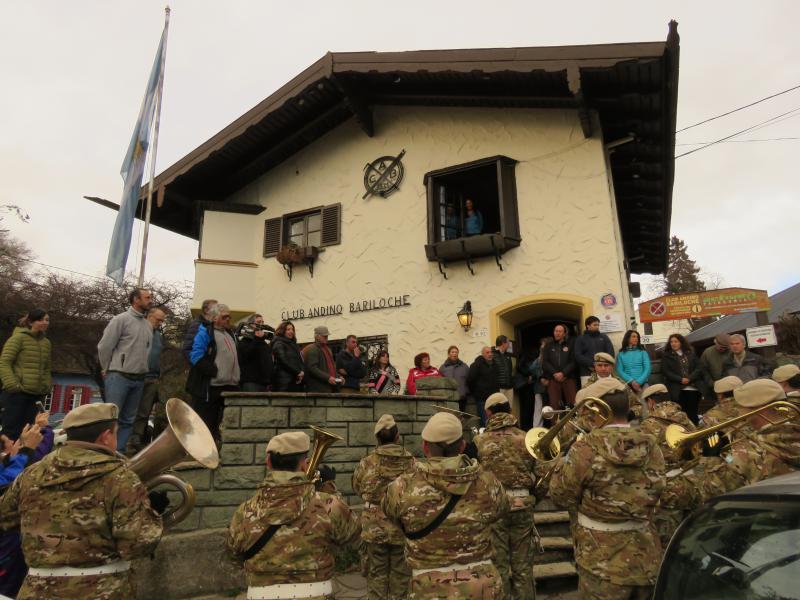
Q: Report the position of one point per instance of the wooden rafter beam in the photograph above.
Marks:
(357, 104)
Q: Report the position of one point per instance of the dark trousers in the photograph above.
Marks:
(689, 401)
(138, 438)
(210, 409)
(526, 404)
(19, 410)
(561, 393)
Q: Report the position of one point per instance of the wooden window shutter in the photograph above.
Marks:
(331, 225)
(272, 236)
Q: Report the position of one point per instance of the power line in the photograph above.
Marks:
(730, 112)
(36, 262)
(751, 128)
(780, 139)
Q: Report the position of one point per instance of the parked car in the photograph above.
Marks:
(742, 545)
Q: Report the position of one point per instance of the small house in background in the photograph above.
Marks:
(73, 386)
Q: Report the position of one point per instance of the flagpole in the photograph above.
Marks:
(149, 205)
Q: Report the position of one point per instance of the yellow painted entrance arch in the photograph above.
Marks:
(506, 316)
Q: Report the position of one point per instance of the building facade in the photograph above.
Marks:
(566, 153)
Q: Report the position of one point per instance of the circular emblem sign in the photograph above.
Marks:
(608, 300)
(657, 309)
(383, 175)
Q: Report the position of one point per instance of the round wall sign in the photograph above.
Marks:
(383, 175)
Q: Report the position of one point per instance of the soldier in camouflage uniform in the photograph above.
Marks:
(725, 408)
(613, 478)
(501, 450)
(604, 365)
(388, 573)
(83, 514)
(662, 413)
(285, 534)
(450, 553)
(587, 419)
(769, 451)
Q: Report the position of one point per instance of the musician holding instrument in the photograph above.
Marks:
(83, 513)
(612, 478)
(501, 450)
(663, 412)
(286, 534)
(388, 573)
(445, 507)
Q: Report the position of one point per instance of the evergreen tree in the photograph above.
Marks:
(682, 275)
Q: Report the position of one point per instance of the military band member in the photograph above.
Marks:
(388, 573)
(83, 514)
(501, 450)
(662, 413)
(612, 477)
(725, 408)
(788, 376)
(445, 508)
(285, 534)
(604, 364)
(586, 419)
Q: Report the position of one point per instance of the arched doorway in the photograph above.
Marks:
(527, 319)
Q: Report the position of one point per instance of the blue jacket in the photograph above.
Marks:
(634, 365)
(16, 464)
(473, 225)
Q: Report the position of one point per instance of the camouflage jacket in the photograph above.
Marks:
(413, 500)
(662, 416)
(80, 506)
(633, 398)
(614, 474)
(370, 479)
(312, 523)
(501, 450)
(724, 410)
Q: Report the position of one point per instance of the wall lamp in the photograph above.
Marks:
(465, 315)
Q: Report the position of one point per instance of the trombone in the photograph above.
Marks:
(543, 444)
(467, 419)
(676, 435)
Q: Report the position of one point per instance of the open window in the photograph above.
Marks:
(472, 211)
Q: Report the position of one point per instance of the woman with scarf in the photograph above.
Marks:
(383, 377)
(288, 370)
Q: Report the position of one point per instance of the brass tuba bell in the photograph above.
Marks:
(322, 441)
(185, 437)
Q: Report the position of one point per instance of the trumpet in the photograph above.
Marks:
(676, 436)
(543, 444)
(322, 441)
(185, 437)
(467, 419)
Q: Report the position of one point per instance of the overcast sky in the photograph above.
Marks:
(74, 74)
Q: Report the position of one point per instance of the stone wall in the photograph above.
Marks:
(251, 419)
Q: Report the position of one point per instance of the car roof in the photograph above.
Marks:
(782, 485)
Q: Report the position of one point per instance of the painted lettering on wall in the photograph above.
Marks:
(357, 306)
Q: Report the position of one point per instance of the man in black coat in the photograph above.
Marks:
(482, 380)
(350, 367)
(589, 344)
(501, 358)
(558, 367)
(254, 348)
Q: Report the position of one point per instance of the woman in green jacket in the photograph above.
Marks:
(25, 371)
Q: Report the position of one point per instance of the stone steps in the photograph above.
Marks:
(548, 517)
(557, 543)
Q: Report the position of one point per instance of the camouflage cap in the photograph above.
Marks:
(291, 442)
(599, 388)
(385, 422)
(758, 393)
(89, 414)
(656, 388)
(495, 399)
(442, 428)
(605, 357)
(727, 384)
(785, 373)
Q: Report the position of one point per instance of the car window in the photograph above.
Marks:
(735, 551)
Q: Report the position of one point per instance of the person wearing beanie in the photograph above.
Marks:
(388, 573)
(286, 535)
(589, 343)
(501, 450)
(445, 508)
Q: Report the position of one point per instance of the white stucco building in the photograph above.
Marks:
(567, 152)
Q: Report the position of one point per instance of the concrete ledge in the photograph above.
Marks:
(187, 565)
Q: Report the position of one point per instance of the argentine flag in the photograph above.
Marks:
(133, 169)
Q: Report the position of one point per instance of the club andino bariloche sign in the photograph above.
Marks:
(332, 310)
